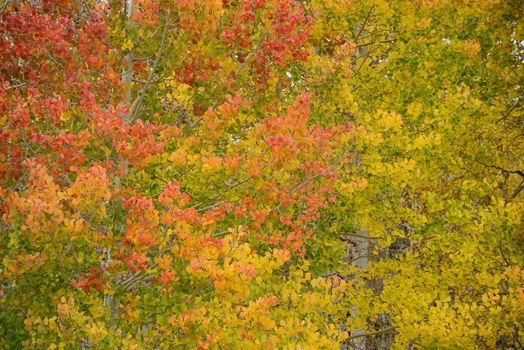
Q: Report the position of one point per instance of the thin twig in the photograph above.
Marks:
(364, 23)
(135, 108)
(4, 5)
(518, 190)
(252, 53)
(509, 110)
(392, 40)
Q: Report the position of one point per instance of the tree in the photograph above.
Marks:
(438, 185)
(181, 219)
(214, 174)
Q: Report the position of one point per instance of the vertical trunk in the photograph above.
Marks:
(127, 75)
(359, 259)
(359, 247)
(127, 79)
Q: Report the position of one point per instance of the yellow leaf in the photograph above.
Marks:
(127, 45)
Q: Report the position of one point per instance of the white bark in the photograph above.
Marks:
(128, 74)
(359, 259)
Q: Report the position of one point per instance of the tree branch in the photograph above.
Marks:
(518, 172)
(369, 334)
(509, 110)
(252, 53)
(137, 104)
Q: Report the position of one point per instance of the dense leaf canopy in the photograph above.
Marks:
(261, 174)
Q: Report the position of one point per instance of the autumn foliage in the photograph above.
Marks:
(261, 174)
